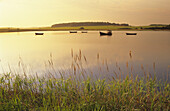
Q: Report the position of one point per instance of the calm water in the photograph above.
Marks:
(147, 48)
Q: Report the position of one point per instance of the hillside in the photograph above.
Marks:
(78, 24)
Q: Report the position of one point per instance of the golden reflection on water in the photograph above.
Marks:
(146, 48)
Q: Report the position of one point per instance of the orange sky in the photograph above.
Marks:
(30, 13)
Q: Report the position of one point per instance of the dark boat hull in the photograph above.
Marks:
(108, 33)
(39, 33)
(83, 32)
(73, 31)
(131, 33)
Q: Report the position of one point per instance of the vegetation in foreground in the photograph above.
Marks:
(81, 92)
(23, 93)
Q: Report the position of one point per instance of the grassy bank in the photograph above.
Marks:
(121, 28)
(38, 93)
(81, 92)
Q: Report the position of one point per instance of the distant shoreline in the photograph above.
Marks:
(89, 28)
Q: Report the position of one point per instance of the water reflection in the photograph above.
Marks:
(146, 47)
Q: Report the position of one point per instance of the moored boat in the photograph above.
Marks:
(83, 31)
(131, 33)
(108, 33)
(37, 33)
(73, 31)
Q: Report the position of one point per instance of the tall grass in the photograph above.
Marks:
(22, 93)
(81, 92)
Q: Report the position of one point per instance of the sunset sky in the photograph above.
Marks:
(30, 13)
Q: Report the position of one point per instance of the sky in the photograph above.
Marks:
(33, 13)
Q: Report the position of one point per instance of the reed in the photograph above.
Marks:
(79, 91)
(23, 93)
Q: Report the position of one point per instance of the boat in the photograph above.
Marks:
(131, 33)
(108, 33)
(37, 33)
(73, 31)
(83, 31)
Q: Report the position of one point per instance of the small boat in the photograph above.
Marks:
(37, 33)
(108, 33)
(73, 31)
(83, 31)
(131, 33)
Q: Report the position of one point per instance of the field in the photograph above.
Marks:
(135, 28)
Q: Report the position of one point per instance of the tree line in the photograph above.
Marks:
(76, 24)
